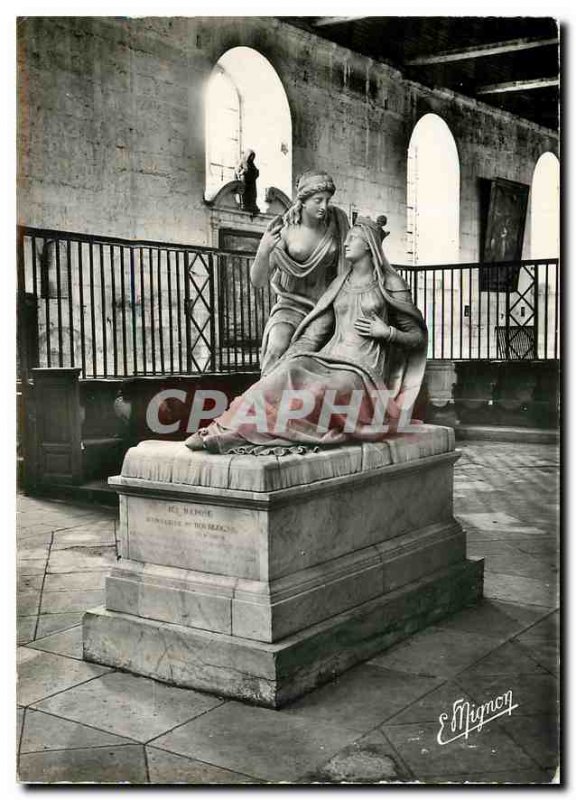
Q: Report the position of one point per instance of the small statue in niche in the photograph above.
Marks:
(247, 172)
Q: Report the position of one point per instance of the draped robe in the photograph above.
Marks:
(324, 357)
(299, 285)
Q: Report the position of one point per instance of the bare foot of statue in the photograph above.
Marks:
(195, 442)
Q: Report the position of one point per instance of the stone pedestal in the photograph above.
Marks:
(262, 577)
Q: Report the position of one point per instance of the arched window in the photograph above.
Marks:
(545, 243)
(247, 108)
(545, 208)
(222, 129)
(433, 196)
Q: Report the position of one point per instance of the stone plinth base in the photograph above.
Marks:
(261, 577)
(271, 674)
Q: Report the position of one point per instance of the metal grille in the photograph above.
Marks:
(515, 343)
(117, 308)
(475, 311)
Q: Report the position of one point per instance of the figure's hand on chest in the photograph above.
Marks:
(372, 327)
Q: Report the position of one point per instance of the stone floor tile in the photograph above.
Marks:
(35, 550)
(534, 694)
(27, 502)
(484, 548)
(429, 707)
(522, 519)
(29, 582)
(73, 582)
(40, 531)
(27, 603)
(20, 712)
(509, 659)
(53, 623)
(491, 618)
(360, 698)
(32, 566)
(551, 561)
(370, 759)
(102, 524)
(85, 537)
(82, 559)
(34, 541)
(165, 767)
(84, 515)
(25, 514)
(42, 674)
(537, 535)
(50, 505)
(520, 777)
(26, 628)
(489, 519)
(24, 654)
(538, 735)
(521, 590)
(63, 514)
(436, 652)
(538, 548)
(46, 732)
(545, 630)
(67, 643)
(261, 742)
(123, 764)
(513, 562)
(62, 602)
(546, 654)
(489, 750)
(67, 522)
(131, 706)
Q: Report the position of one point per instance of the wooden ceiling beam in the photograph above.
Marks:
(480, 51)
(518, 86)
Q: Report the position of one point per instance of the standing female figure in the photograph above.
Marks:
(300, 254)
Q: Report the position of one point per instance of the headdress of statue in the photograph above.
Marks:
(309, 183)
(312, 182)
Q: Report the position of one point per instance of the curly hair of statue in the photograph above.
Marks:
(308, 184)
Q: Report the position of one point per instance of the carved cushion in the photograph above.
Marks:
(173, 462)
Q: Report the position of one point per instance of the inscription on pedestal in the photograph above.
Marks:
(201, 537)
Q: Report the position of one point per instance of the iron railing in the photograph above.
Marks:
(119, 308)
(500, 310)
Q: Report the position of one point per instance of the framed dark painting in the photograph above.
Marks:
(504, 234)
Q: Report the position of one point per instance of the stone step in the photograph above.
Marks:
(272, 674)
(501, 433)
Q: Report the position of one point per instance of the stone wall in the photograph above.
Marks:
(111, 127)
